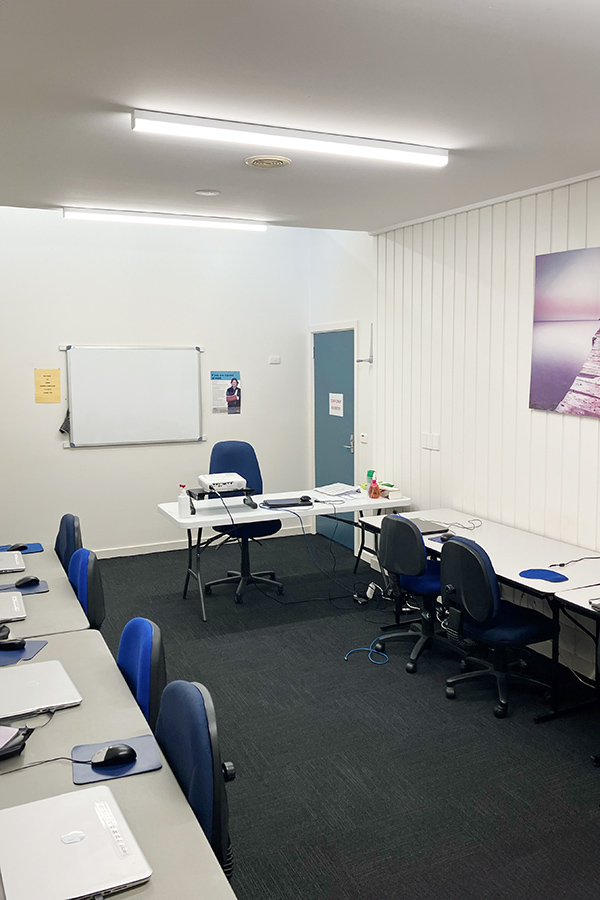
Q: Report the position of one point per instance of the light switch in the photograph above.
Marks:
(274, 360)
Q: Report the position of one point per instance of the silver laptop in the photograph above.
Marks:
(11, 561)
(75, 845)
(12, 608)
(35, 688)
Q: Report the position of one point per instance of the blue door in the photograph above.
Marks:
(334, 422)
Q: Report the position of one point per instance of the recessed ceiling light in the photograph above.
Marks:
(267, 162)
(144, 218)
(272, 138)
(208, 192)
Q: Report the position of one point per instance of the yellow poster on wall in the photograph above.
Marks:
(47, 385)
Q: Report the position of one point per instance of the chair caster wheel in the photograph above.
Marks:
(450, 693)
(379, 646)
(500, 711)
(280, 591)
(464, 665)
(207, 590)
(238, 599)
(411, 666)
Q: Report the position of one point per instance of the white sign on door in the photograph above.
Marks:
(336, 405)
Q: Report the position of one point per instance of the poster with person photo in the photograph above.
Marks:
(226, 393)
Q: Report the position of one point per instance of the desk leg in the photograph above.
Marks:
(555, 711)
(193, 570)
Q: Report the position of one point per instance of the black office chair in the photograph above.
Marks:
(478, 612)
(416, 579)
(141, 659)
(84, 575)
(187, 733)
(239, 456)
(68, 539)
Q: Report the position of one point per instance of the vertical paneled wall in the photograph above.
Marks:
(453, 353)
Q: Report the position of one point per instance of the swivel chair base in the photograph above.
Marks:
(501, 670)
(426, 636)
(244, 580)
(245, 577)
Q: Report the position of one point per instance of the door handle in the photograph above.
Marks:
(350, 446)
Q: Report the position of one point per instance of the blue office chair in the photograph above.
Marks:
(415, 579)
(84, 575)
(478, 613)
(68, 539)
(187, 733)
(239, 456)
(141, 659)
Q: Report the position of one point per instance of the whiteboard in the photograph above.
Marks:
(133, 395)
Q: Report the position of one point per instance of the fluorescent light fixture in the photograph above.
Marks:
(269, 137)
(144, 218)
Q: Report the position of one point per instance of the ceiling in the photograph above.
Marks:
(510, 87)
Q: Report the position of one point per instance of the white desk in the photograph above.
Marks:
(512, 551)
(233, 511)
(53, 612)
(183, 863)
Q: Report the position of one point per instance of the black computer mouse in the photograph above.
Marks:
(27, 581)
(115, 755)
(305, 499)
(18, 547)
(446, 537)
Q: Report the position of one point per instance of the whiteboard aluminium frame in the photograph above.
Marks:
(69, 445)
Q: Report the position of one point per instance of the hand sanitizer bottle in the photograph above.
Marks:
(183, 502)
(374, 490)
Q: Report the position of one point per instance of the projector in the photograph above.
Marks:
(222, 482)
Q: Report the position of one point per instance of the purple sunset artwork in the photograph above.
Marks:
(565, 358)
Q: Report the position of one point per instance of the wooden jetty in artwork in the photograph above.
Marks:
(583, 397)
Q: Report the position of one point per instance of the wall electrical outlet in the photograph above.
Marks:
(274, 360)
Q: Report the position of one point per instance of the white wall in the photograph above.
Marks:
(242, 296)
(453, 353)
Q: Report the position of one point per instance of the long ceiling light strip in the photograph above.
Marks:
(142, 218)
(269, 137)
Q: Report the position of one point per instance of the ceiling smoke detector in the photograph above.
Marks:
(267, 162)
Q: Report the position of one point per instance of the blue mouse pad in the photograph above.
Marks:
(148, 759)
(543, 575)
(31, 649)
(31, 548)
(41, 588)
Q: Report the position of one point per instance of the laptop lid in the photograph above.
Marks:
(12, 608)
(35, 688)
(11, 561)
(75, 845)
(426, 527)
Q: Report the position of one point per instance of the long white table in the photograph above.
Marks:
(182, 860)
(233, 511)
(513, 551)
(52, 612)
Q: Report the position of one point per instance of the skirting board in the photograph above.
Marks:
(180, 544)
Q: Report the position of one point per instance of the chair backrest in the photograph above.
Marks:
(237, 456)
(141, 659)
(187, 733)
(401, 547)
(469, 581)
(84, 575)
(68, 539)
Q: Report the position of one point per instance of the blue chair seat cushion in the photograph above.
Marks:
(512, 624)
(427, 584)
(251, 530)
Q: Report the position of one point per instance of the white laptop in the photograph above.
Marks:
(35, 688)
(11, 561)
(75, 845)
(12, 608)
